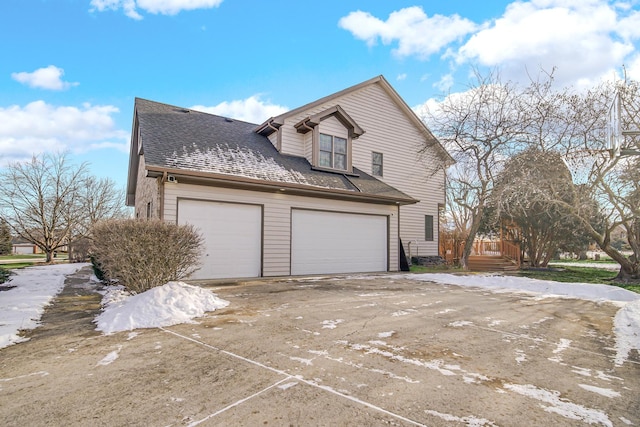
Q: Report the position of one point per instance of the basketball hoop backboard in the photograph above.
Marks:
(614, 127)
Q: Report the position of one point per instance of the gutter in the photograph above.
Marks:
(228, 181)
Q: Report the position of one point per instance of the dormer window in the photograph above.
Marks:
(332, 132)
(333, 152)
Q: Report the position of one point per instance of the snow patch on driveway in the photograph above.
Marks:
(626, 325)
(626, 321)
(561, 406)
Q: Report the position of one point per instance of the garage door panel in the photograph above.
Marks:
(232, 237)
(332, 242)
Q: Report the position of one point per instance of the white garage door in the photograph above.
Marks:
(331, 242)
(232, 234)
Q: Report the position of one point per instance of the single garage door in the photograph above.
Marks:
(331, 242)
(232, 234)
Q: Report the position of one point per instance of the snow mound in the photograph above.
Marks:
(626, 325)
(543, 288)
(170, 304)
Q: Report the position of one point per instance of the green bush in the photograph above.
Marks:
(4, 275)
(143, 254)
(97, 270)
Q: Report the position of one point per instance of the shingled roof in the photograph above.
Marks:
(179, 139)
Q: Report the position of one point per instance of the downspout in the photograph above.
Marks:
(409, 245)
(309, 128)
(161, 190)
(278, 135)
(400, 240)
(275, 129)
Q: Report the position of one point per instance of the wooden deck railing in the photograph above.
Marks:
(511, 250)
(452, 251)
(486, 247)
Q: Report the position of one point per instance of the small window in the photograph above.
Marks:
(428, 228)
(149, 210)
(376, 164)
(333, 152)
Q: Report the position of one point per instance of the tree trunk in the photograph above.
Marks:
(629, 274)
(473, 230)
(49, 254)
(629, 267)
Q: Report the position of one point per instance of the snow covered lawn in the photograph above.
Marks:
(22, 306)
(33, 288)
(611, 266)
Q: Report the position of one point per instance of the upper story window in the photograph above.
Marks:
(376, 164)
(333, 152)
(329, 146)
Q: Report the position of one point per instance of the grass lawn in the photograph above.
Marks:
(15, 266)
(438, 269)
(580, 275)
(562, 274)
(20, 256)
(602, 260)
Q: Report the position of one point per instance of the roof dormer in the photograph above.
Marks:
(332, 133)
(309, 123)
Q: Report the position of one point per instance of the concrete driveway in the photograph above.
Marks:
(328, 352)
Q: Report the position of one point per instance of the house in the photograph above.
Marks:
(329, 187)
(22, 247)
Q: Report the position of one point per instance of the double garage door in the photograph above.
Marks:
(321, 242)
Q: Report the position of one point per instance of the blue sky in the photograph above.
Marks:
(70, 69)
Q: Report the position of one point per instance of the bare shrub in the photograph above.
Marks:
(143, 254)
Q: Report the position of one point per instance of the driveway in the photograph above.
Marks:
(328, 351)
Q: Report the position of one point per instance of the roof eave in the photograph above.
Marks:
(134, 162)
(232, 181)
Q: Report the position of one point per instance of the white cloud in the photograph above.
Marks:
(576, 37)
(162, 7)
(252, 109)
(40, 127)
(416, 33)
(585, 41)
(44, 78)
(629, 26)
(632, 68)
(445, 83)
(401, 77)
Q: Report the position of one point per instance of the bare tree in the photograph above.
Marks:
(49, 202)
(480, 129)
(492, 121)
(606, 192)
(101, 200)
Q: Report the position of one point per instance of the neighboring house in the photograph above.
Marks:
(22, 247)
(329, 187)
